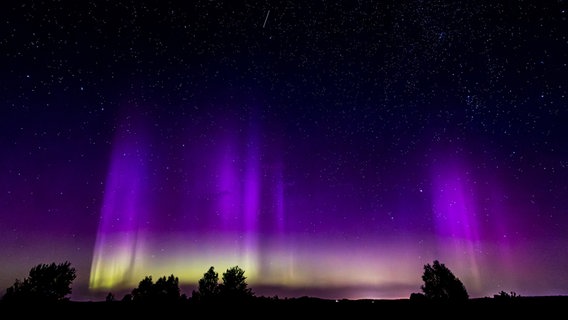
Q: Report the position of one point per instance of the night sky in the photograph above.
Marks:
(328, 149)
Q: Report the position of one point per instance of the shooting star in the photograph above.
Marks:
(266, 19)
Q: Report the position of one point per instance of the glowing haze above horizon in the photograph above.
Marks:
(329, 150)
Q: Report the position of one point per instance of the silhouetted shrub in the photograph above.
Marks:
(416, 296)
(127, 298)
(506, 296)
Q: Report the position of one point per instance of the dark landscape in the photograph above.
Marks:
(542, 307)
(46, 289)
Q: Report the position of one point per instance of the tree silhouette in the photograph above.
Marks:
(440, 284)
(164, 290)
(208, 286)
(167, 289)
(45, 282)
(110, 297)
(234, 286)
(144, 291)
(127, 298)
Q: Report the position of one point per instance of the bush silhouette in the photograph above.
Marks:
(506, 295)
(45, 282)
(440, 284)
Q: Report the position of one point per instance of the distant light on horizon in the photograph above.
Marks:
(328, 149)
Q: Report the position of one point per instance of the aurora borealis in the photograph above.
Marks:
(329, 150)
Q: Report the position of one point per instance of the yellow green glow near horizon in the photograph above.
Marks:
(286, 263)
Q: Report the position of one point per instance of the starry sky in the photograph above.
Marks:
(328, 149)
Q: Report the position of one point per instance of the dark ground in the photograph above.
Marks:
(552, 307)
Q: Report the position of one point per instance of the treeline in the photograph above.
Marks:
(52, 283)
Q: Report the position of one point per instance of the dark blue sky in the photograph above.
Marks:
(328, 149)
